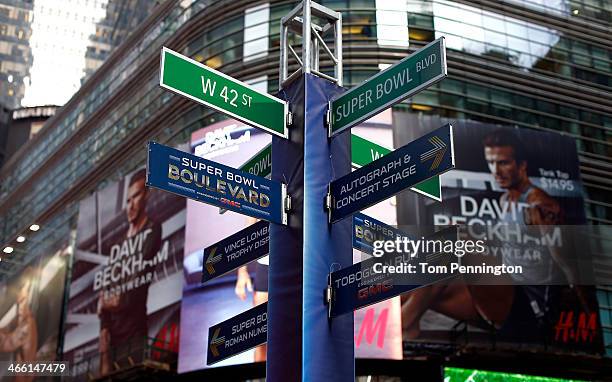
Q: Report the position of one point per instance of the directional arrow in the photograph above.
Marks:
(234, 251)
(211, 260)
(238, 334)
(438, 152)
(216, 341)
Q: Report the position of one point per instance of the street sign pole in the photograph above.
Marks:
(302, 344)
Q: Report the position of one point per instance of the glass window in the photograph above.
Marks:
(391, 23)
(255, 35)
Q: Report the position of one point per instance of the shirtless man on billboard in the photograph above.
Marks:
(23, 339)
(497, 305)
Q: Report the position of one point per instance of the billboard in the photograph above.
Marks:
(126, 280)
(513, 180)
(455, 374)
(31, 311)
(232, 143)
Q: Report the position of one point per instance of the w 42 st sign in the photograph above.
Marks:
(219, 91)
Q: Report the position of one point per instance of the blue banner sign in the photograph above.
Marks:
(236, 250)
(210, 182)
(367, 282)
(367, 230)
(428, 156)
(238, 334)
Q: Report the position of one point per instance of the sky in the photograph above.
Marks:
(60, 36)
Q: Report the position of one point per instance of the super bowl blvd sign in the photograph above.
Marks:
(210, 182)
(364, 152)
(427, 156)
(238, 334)
(260, 164)
(236, 250)
(414, 73)
(214, 89)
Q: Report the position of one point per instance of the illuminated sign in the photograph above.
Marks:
(454, 374)
(220, 141)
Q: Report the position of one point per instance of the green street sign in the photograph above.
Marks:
(260, 164)
(364, 152)
(414, 73)
(212, 88)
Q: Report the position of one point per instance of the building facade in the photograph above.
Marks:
(122, 17)
(22, 125)
(15, 51)
(534, 64)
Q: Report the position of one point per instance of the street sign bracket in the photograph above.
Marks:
(286, 200)
(329, 296)
(289, 118)
(287, 203)
(327, 203)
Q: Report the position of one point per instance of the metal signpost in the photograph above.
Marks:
(210, 182)
(212, 88)
(238, 334)
(302, 344)
(414, 73)
(430, 155)
(236, 250)
(364, 152)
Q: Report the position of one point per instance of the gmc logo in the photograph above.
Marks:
(230, 202)
(375, 289)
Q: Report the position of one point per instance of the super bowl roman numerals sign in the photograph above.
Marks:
(238, 334)
(213, 183)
